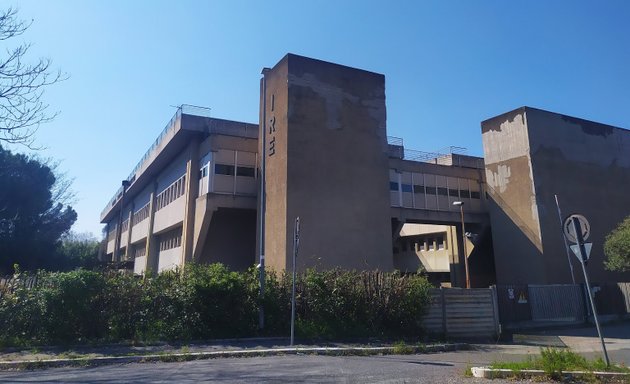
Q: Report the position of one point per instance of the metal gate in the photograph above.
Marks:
(557, 302)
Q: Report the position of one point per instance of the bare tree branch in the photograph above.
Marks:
(22, 85)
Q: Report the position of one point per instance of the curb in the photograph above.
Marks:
(189, 356)
(489, 373)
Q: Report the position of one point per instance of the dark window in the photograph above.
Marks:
(406, 188)
(464, 193)
(442, 191)
(453, 192)
(393, 186)
(222, 169)
(430, 190)
(245, 171)
(418, 188)
(475, 195)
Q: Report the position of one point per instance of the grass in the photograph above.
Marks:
(555, 361)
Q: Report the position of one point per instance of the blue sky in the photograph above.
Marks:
(448, 66)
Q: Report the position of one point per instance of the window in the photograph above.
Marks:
(245, 171)
(203, 172)
(393, 186)
(171, 193)
(140, 214)
(464, 193)
(170, 240)
(407, 188)
(430, 190)
(440, 243)
(418, 188)
(442, 191)
(475, 195)
(223, 169)
(453, 192)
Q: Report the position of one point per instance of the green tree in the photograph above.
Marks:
(617, 247)
(32, 222)
(78, 250)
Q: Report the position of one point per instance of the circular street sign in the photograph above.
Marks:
(569, 231)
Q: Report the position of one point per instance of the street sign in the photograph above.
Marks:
(569, 230)
(587, 247)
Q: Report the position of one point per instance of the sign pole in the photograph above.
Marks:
(566, 244)
(583, 257)
(296, 245)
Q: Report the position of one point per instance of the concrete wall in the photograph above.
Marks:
(530, 156)
(512, 201)
(587, 165)
(328, 166)
(231, 239)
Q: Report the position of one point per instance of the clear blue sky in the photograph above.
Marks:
(448, 66)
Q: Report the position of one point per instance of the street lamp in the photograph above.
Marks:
(460, 204)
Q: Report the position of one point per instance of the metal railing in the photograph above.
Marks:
(186, 109)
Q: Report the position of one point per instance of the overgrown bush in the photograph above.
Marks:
(209, 301)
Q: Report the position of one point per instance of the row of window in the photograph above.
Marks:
(171, 193)
(170, 240)
(141, 214)
(140, 250)
(440, 191)
(427, 244)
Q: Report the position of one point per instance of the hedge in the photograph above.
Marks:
(207, 302)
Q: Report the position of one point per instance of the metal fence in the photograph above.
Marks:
(463, 313)
(559, 303)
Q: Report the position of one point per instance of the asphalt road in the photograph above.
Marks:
(431, 368)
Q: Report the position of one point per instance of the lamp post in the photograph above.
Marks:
(460, 204)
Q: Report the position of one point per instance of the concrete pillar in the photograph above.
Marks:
(152, 245)
(191, 194)
(128, 255)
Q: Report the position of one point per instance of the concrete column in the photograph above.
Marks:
(191, 194)
(152, 245)
(128, 245)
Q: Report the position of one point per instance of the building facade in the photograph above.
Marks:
(207, 188)
(531, 157)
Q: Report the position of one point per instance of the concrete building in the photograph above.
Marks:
(532, 155)
(363, 199)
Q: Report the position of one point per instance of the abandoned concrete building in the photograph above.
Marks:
(321, 152)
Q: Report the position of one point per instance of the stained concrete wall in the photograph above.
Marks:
(587, 165)
(328, 165)
(532, 155)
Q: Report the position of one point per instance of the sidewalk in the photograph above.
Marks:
(120, 354)
(582, 340)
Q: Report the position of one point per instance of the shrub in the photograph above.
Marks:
(209, 301)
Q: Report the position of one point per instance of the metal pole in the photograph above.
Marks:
(296, 245)
(461, 209)
(566, 244)
(580, 242)
(261, 242)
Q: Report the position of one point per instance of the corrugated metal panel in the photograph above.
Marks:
(556, 302)
(464, 313)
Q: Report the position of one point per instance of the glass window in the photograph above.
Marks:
(453, 192)
(464, 193)
(406, 188)
(418, 188)
(475, 195)
(223, 169)
(442, 191)
(245, 171)
(430, 190)
(393, 186)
